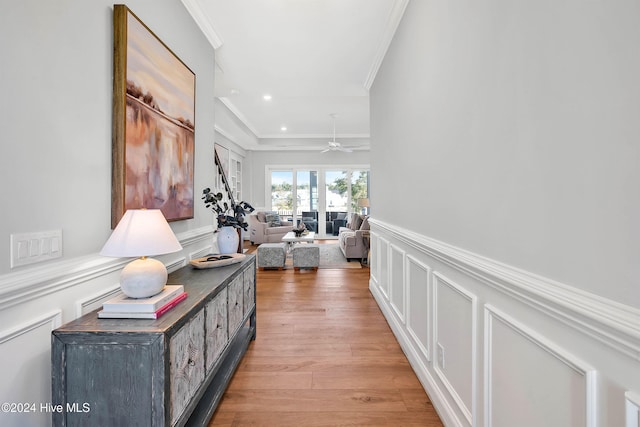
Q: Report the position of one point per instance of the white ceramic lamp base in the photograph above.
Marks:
(143, 278)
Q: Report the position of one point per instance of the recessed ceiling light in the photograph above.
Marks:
(266, 97)
(235, 92)
(283, 128)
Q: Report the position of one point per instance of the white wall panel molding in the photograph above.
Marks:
(374, 266)
(175, 264)
(614, 324)
(20, 287)
(419, 305)
(397, 283)
(88, 304)
(442, 404)
(383, 266)
(53, 319)
(200, 253)
(632, 409)
(17, 288)
(454, 306)
(191, 237)
(25, 356)
(521, 365)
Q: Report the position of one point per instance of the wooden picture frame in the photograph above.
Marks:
(153, 146)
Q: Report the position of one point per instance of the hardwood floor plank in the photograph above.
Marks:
(328, 419)
(301, 350)
(304, 337)
(364, 378)
(313, 400)
(272, 380)
(324, 355)
(321, 364)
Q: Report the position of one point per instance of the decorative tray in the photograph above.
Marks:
(217, 260)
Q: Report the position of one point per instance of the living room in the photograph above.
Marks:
(503, 184)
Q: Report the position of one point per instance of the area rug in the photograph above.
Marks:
(330, 257)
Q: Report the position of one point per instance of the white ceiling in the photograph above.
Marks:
(314, 57)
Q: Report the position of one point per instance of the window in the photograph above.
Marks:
(296, 195)
(282, 193)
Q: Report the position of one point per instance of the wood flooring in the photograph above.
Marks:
(324, 356)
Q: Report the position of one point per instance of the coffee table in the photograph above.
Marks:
(290, 238)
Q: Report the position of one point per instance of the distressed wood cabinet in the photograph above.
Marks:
(166, 372)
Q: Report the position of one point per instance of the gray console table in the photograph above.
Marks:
(167, 372)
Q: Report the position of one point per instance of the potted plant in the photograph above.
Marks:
(230, 218)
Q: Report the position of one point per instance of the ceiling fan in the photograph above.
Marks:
(333, 145)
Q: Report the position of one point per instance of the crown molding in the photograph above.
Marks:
(234, 110)
(225, 134)
(397, 11)
(205, 26)
(322, 136)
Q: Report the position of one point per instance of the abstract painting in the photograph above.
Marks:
(153, 123)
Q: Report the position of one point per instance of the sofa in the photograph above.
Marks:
(267, 227)
(354, 237)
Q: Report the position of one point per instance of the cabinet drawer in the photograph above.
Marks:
(236, 308)
(216, 327)
(249, 289)
(186, 350)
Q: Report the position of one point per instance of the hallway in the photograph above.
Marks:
(324, 356)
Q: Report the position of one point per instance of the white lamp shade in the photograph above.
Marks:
(141, 232)
(363, 203)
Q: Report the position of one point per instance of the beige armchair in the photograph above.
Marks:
(354, 239)
(261, 230)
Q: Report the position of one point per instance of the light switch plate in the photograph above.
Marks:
(30, 248)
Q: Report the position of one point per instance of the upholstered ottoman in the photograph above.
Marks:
(306, 256)
(271, 255)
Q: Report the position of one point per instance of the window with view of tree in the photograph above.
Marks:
(359, 187)
(295, 195)
(282, 192)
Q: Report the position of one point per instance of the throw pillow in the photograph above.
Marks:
(273, 220)
(262, 216)
(352, 221)
(356, 222)
(365, 224)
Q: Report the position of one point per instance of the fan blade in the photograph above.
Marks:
(325, 150)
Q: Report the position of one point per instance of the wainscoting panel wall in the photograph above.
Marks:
(497, 346)
(454, 342)
(397, 282)
(62, 291)
(25, 365)
(419, 303)
(516, 356)
(383, 267)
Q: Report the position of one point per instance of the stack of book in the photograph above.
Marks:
(124, 307)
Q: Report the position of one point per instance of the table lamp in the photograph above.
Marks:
(142, 233)
(363, 204)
